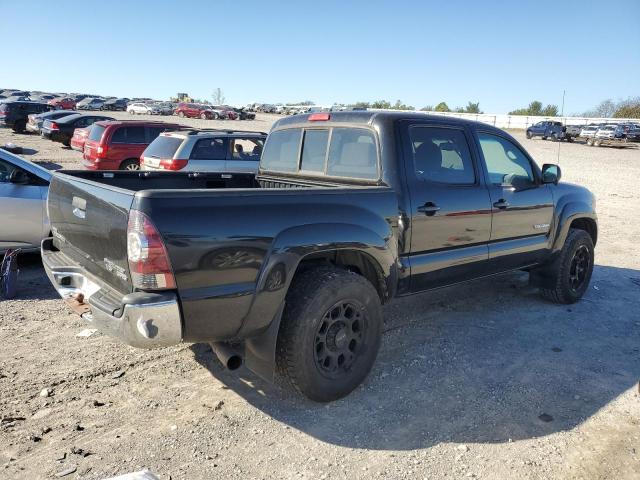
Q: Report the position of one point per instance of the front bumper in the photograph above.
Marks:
(143, 319)
(33, 128)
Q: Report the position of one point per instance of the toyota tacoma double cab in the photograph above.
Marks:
(286, 271)
(554, 130)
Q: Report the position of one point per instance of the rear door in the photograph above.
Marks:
(450, 206)
(243, 154)
(208, 155)
(522, 206)
(127, 142)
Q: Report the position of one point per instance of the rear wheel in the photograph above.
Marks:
(597, 143)
(131, 164)
(571, 272)
(215, 116)
(554, 137)
(330, 333)
(203, 116)
(181, 114)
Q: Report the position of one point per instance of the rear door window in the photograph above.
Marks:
(209, 149)
(129, 135)
(96, 132)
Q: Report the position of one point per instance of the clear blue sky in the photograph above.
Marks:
(501, 53)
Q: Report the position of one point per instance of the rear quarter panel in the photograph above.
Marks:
(227, 247)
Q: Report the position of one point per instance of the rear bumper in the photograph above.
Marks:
(143, 320)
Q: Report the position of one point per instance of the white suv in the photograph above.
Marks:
(140, 108)
(204, 151)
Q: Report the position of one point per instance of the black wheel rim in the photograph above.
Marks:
(339, 338)
(579, 268)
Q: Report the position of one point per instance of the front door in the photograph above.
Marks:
(450, 207)
(522, 205)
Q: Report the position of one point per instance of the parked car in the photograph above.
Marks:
(79, 138)
(245, 115)
(61, 130)
(139, 108)
(15, 115)
(552, 129)
(35, 120)
(115, 104)
(117, 145)
(348, 210)
(165, 108)
(90, 104)
(204, 151)
(195, 110)
(608, 135)
(23, 196)
(225, 112)
(633, 134)
(65, 103)
(588, 132)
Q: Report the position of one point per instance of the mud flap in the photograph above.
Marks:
(260, 351)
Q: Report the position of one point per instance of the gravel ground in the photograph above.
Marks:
(484, 380)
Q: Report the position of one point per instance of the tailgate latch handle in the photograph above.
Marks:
(79, 207)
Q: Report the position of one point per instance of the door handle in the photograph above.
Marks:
(429, 209)
(501, 204)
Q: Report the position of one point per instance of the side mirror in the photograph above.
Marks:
(19, 177)
(551, 173)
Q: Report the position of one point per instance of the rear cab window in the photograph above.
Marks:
(346, 152)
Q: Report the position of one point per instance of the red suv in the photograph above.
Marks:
(63, 103)
(195, 110)
(117, 145)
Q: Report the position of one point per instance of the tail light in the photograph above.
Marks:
(148, 260)
(101, 151)
(173, 164)
(319, 117)
(54, 126)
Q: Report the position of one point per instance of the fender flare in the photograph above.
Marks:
(571, 211)
(289, 249)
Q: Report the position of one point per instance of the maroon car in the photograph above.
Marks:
(197, 110)
(65, 103)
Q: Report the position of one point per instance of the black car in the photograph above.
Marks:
(37, 119)
(62, 130)
(15, 114)
(115, 104)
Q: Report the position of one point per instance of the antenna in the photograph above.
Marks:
(565, 123)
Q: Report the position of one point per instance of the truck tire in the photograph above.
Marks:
(569, 138)
(330, 333)
(554, 137)
(571, 272)
(544, 137)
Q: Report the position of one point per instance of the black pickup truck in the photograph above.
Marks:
(287, 271)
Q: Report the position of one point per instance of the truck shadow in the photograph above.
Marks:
(484, 362)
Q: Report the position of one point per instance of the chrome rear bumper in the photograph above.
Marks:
(144, 320)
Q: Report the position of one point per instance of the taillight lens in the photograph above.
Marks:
(101, 151)
(148, 260)
(54, 126)
(173, 164)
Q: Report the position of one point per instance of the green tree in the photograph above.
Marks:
(427, 108)
(360, 105)
(381, 104)
(629, 108)
(535, 109)
(442, 107)
(401, 106)
(550, 111)
(473, 107)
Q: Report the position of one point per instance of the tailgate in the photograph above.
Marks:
(89, 225)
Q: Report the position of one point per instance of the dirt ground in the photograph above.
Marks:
(484, 380)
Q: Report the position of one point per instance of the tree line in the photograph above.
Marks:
(399, 105)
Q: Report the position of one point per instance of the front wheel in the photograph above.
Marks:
(571, 273)
(330, 333)
(529, 135)
(590, 142)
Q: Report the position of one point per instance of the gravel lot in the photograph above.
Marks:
(484, 380)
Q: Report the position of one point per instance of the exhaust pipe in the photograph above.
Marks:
(229, 356)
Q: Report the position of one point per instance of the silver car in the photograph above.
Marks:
(205, 151)
(23, 196)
